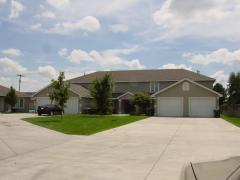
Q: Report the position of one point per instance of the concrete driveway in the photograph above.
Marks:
(151, 149)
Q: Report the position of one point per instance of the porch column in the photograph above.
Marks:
(119, 106)
(155, 106)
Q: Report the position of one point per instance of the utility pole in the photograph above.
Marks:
(19, 81)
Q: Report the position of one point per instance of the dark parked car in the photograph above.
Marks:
(89, 110)
(49, 109)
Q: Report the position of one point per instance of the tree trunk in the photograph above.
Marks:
(62, 113)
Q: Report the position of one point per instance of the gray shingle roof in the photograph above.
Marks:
(5, 90)
(145, 75)
(79, 90)
(25, 94)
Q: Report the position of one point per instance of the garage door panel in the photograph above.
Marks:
(42, 101)
(170, 106)
(202, 106)
(71, 105)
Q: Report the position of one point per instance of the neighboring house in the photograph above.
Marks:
(24, 103)
(79, 97)
(176, 92)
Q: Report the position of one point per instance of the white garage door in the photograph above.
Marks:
(41, 101)
(170, 106)
(71, 106)
(202, 106)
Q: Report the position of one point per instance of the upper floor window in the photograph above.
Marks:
(154, 86)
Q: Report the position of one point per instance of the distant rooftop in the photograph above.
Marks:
(144, 75)
(4, 90)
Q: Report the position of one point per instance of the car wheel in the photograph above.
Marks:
(39, 114)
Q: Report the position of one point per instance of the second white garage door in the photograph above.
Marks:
(72, 106)
(202, 106)
(170, 106)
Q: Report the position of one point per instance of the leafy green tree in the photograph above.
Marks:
(220, 89)
(11, 98)
(101, 92)
(234, 88)
(143, 101)
(51, 96)
(60, 91)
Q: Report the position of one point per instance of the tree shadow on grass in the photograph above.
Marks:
(49, 121)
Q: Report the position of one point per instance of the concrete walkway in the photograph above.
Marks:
(151, 149)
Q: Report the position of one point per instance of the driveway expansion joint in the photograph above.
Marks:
(15, 154)
(164, 150)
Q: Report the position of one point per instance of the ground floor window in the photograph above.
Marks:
(20, 104)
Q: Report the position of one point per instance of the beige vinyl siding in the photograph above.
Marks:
(208, 84)
(122, 87)
(131, 87)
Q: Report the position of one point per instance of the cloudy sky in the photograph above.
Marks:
(40, 38)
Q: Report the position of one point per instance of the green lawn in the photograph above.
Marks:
(82, 124)
(233, 120)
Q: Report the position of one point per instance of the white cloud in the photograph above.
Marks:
(106, 58)
(36, 26)
(124, 51)
(5, 81)
(58, 3)
(12, 52)
(8, 65)
(63, 52)
(3, 1)
(88, 23)
(74, 9)
(78, 55)
(48, 72)
(207, 18)
(16, 9)
(133, 64)
(28, 84)
(221, 77)
(29, 80)
(222, 55)
(175, 66)
(118, 28)
(70, 75)
(48, 14)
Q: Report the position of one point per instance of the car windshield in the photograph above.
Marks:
(48, 105)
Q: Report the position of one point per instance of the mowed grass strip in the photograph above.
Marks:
(231, 119)
(82, 124)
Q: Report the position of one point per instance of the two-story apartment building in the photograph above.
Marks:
(176, 92)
